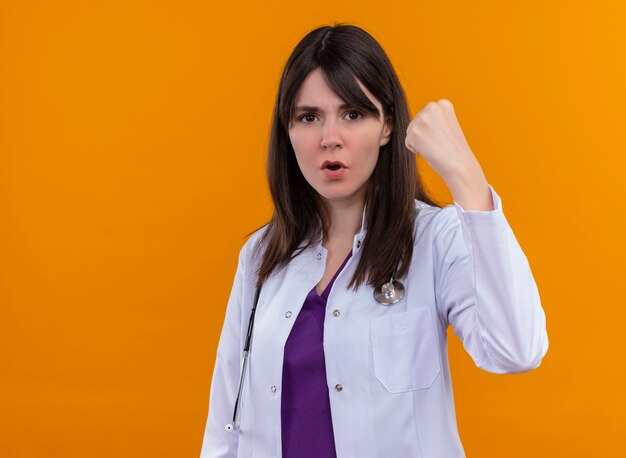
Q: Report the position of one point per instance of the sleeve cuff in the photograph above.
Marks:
(483, 217)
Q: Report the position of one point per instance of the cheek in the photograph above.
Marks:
(368, 148)
(303, 152)
(303, 146)
(368, 145)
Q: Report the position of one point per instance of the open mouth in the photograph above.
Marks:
(333, 165)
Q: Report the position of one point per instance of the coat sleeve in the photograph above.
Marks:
(217, 442)
(486, 291)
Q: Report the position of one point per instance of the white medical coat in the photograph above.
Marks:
(386, 366)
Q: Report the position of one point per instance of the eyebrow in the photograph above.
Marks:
(312, 108)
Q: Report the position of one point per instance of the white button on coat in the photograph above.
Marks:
(395, 397)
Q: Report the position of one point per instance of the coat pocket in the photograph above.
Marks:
(405, 350)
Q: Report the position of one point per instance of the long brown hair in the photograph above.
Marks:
(343, 52)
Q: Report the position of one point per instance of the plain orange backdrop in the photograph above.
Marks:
(133, 137)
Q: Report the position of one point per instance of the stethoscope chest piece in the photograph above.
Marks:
(390, 293)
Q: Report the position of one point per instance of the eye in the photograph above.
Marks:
(354, 118)
(306, 118)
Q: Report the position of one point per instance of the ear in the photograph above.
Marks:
(387, 129)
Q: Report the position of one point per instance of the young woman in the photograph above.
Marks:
(342, 352)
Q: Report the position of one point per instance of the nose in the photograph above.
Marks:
(330, 135)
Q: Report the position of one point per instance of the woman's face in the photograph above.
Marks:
(336, 146)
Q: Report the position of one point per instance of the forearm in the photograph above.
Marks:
(469, 188)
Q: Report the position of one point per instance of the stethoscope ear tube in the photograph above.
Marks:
(233, 426)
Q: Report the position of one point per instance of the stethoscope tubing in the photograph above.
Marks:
(244, 363)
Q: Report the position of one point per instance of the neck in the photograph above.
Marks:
(346, 219)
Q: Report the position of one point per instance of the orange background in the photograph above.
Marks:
(133, 137)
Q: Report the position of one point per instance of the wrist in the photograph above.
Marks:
(470, 190)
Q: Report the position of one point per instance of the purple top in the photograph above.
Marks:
(307, 427)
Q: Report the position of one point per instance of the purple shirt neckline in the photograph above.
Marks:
(326, 291)
(306, 421)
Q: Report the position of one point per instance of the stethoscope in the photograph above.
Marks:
(388, 294)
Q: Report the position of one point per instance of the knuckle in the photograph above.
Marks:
(445, 103)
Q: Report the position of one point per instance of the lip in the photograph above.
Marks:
(333, 174)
